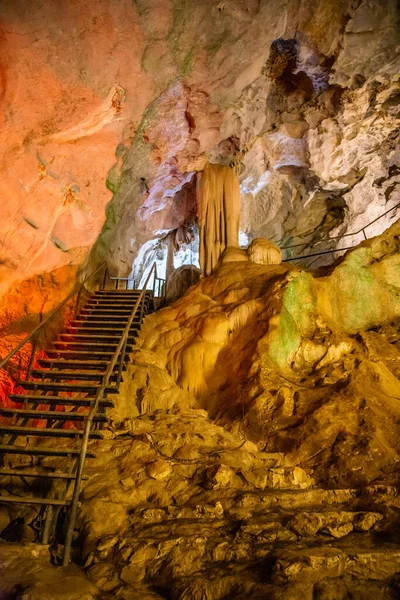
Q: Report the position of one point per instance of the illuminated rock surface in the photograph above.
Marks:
(254, 448)
(301, 364)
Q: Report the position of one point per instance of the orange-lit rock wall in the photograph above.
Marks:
(22, 308)
(71, 87)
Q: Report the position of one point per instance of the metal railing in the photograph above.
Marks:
(129, 283)
(73, 302)
(118, 357)
(330, 239)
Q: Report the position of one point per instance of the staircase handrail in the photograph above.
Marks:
(158, 284)
(34, 332)
(120, 350)
(339, 237)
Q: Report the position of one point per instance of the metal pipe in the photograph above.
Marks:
(73, 511)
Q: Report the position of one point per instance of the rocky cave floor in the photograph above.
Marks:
(177, 507)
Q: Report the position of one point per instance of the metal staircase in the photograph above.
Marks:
(64, 398)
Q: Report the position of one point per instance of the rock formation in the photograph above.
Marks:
(263, 252)
(253, 450)
(275, 351)
(180, 281)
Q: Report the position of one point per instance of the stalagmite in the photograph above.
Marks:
(218, 198)
(264, 252)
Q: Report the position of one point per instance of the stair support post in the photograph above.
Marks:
(121, 363)
(47, 525)
(32, 357)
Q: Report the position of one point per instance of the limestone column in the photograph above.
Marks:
(218, 201)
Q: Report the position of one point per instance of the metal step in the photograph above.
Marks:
(112, 312)
(125, 301)
(89, 345)
(96, 365)
(45, 432)
(109, 306)
(49, 415)
(59, 400)
(104, 318)
(60, 344)
(131, 300)
(85, 347)
(65, 387)
(121, 300)
(115, 325)
(104, 325)
(123, 292)
(79, 354)
(111, 309)
(43, 451)
(61, 364)
(41, 474)
(90, 336)
(113, 328)
(33, 500)
(98, 330)
(71, 375)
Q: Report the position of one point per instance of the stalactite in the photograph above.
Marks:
(218, 198)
